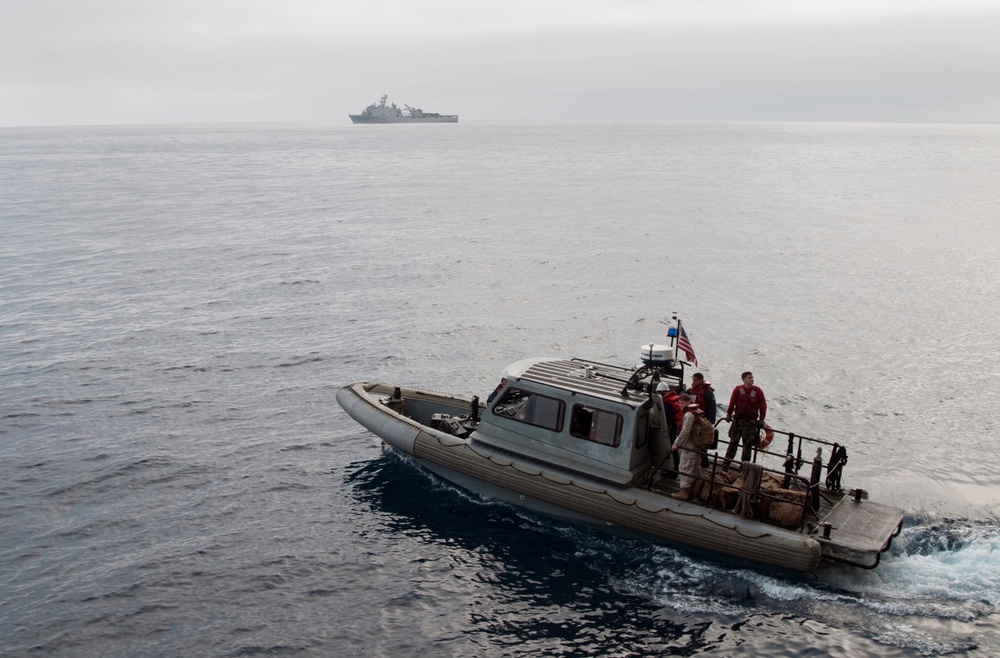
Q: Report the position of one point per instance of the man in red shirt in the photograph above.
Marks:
(747, 408)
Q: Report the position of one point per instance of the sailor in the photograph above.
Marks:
(704, 395)
(670, 406)
(747, 408)
(690, 467)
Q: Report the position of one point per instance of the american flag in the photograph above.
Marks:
(685, 345)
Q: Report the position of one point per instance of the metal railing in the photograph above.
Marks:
(792, 462)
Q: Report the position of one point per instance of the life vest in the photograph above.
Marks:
(747, 404)
(699, 394)
(672, 405)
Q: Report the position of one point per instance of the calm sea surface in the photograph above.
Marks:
(179, 305)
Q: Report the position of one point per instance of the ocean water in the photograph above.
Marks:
(180, 304)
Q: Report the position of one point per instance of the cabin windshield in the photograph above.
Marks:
(532, 408)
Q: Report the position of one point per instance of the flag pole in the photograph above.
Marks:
(686, 347)
(676, 340)
(673, 338)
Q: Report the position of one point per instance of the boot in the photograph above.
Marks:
(680, 495)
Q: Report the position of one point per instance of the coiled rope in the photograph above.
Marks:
(752, 474)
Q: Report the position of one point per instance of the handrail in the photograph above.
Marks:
(834, 468)
(807, 438)
(793, 462)
(803, 482)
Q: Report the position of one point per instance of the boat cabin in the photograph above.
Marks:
(580, 415)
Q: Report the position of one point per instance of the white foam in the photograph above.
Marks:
(949, 570)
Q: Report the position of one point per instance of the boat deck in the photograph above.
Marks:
(859, 527)
(863, 527)
(829, 501)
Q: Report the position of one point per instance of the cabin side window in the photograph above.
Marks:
(596, 425)
(531, 408)
(641, 430)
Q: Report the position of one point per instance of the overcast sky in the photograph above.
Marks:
(72, 62)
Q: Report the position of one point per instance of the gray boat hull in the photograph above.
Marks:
(554, 491)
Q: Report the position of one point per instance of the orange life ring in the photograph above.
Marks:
(766, 436)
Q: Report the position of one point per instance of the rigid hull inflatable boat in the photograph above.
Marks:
(588, 442)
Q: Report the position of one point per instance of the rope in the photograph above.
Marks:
(752, 474)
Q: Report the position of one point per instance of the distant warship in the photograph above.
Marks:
(389, 113)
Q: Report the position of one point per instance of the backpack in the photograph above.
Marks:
(703, 433)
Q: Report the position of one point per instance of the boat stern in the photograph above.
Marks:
(857, 531)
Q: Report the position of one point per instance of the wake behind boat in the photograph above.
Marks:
(587, 442)
(383, 112)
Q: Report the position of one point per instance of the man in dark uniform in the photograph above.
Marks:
(703, 394)
(704, 397)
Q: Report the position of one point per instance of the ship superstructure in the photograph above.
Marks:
(387, 112)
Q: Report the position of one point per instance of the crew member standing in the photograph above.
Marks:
(704, 395)
(690, 466)
(746, 412)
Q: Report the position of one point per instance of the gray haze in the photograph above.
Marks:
(65, 62)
